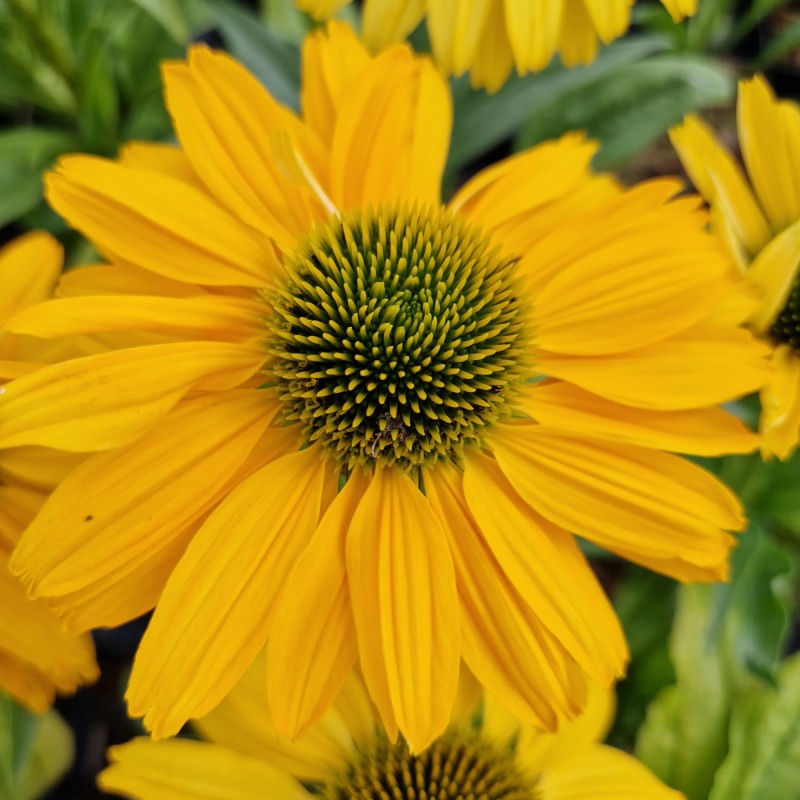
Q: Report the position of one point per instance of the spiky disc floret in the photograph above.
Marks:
(786, 328)
(458, 766)
(397, 335)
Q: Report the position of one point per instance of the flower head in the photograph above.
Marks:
(360, 424)
(37, 657)
(485, 752)
(759, 224)
(490, 38)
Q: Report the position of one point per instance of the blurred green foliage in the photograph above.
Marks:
(35, 751)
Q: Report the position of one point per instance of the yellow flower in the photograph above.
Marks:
(489, 38)
(759, 223)
(485, 753)
(37, 658)
(301, 315)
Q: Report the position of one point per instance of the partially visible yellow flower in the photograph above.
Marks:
(485, 753)
(489, 38)
(480, 379)
(37, 658)
(759, 222)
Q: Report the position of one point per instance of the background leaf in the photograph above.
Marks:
(764, 743)
(725, 641)
(482, 120)
(627, 109)
(273, 60)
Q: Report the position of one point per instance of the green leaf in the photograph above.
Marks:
(786, 41)
(759, 603)
(684, 737)
(765, 743)
(627, 109)
(650, 668)
(169, 14)
(482, 120)
(275, 62)
(24, 153)
(725, 640)
(283, 17)
(35, 751)
(98, 99)
(18, 728)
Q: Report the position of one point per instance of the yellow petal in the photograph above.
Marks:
(658, 289)
(503, 642)
(545, 566)
(455, 28)
(538, 751)
(621, 496)
(780, 405)
(105, 401)
(219, 604)
(25, 684)
(493, 60)
(113, 279)
(769, 140)
(163, 159)
(32, 635)
(522, 182)
(609, 17)
(159, 223)
(533, 29)
(333, 58)
(242, 722)
(186, 770)
(37, 466)
(702, 366)
(321, 9)
(225, 120)
(679, 9)
(125, 505)
(578, 41)
(703, 431)
(209, 318)
(389, 21)
(391, 134)
(18, 506)
(136, 586)
(406, 608)
(602, 773)
(313, 644)
(29, 268)
(604, 213)
(718, 177)
(774, 272)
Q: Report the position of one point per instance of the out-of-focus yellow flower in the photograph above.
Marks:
(361, 423)
(37, 657)
(484, 753)
(490, 38)
(759, 222)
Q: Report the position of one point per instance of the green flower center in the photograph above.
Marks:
(786, 328)
(397, 336)
(455, 767)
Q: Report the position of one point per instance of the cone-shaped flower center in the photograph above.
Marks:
(397, 335)
(786, 328)
(457, 766)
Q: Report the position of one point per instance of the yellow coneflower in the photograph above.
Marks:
(37, 658)
(359, 423)
(490, 38)
(485, 753)
(759, 222)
